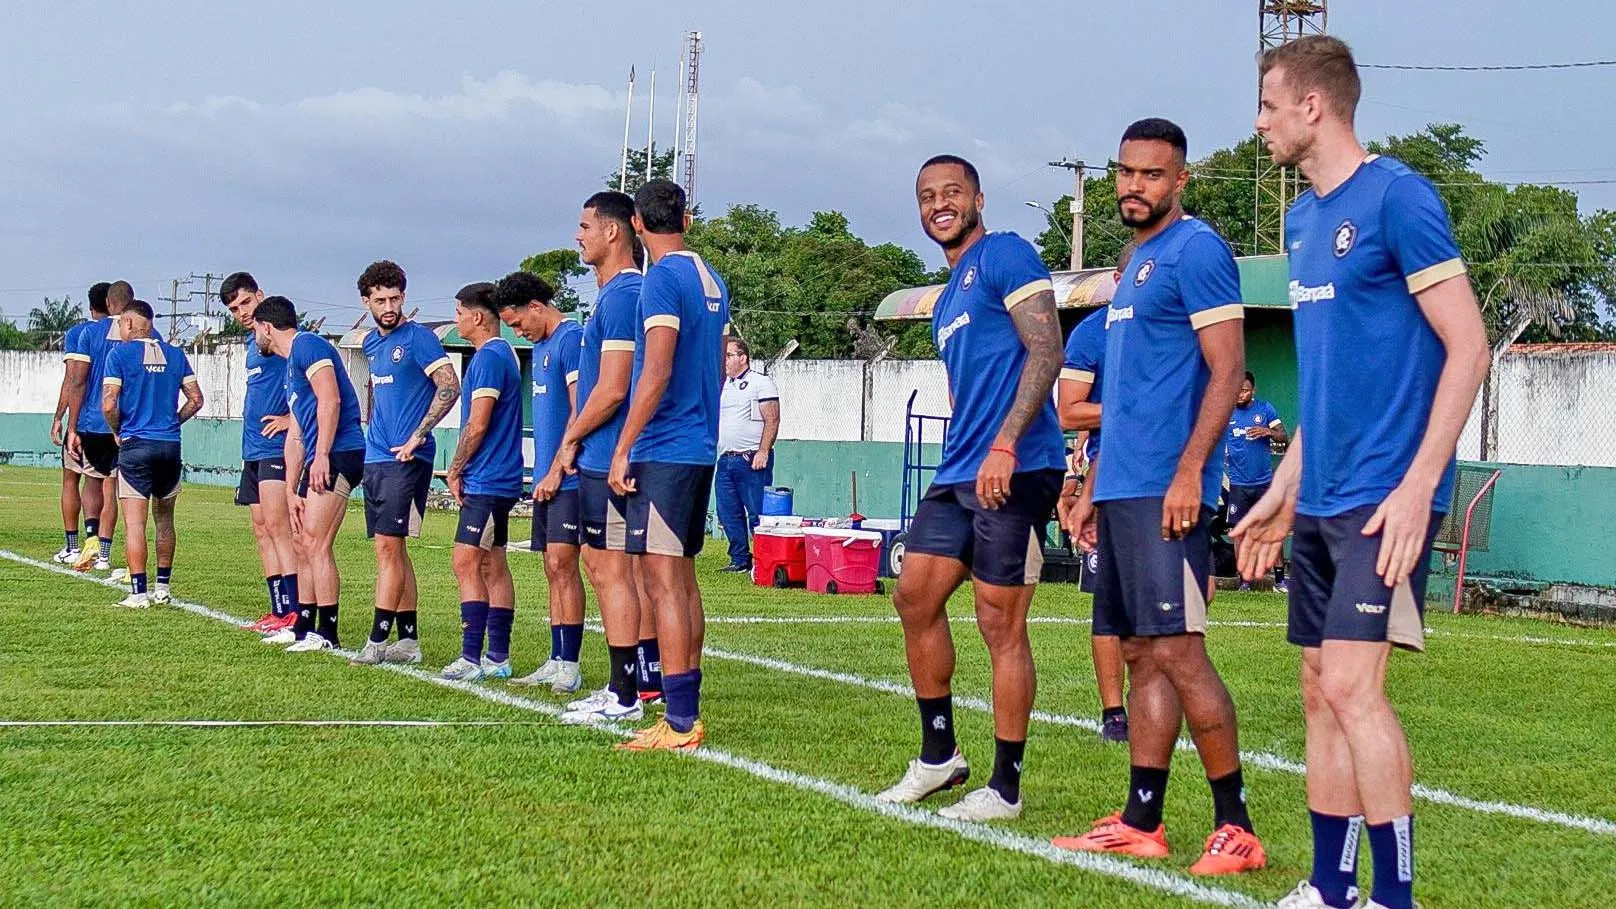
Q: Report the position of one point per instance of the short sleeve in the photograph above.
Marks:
(116, 372)
(429, 353)
(1418, 235)
(482, 380)
(187, 374)
(1084, 350)
(1208, 281)
(73, 346)
(570, 355)
(309, 357)
(1271, 415)
(1013, 270)
(659, 300)
(766, 389)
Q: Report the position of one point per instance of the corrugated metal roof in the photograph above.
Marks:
(1571, 348)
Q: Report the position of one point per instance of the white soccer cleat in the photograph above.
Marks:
(593, 701)
(543, 675)
(1306, 896)
(922, 780)
(311, 643)
(608, 712)
(369, 655)
(284, 636)
(404, 650)
(985, 804)
(66, 556)
(119, 574)
(461, 670)
(496, 670)
(568, 679)
(160, 595)
(135, 601)
(101, 565)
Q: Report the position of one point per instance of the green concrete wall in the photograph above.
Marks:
(1551, 524)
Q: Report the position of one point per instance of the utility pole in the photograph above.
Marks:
(1077, 168)
(173, 310)
(207, 290)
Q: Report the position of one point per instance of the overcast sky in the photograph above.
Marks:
(151, 141)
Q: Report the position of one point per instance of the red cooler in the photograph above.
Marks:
(843, 561)
(779, 558)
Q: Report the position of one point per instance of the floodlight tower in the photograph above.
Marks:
(684, 156)
(1279, 22)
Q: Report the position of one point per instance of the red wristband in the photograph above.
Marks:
(1009, 451)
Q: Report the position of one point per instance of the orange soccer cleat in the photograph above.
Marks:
(1111, 835)
(661, 737)
(1230, 850)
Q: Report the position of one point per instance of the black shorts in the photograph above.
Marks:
(1242, 499)
(1091, 567)
(148, 469)
(1147, 586)
(265, 470)
(602, 514)
(347, 473)
(395, 497)
(667, 514)
(556, 521)
(485, 521)
(1336, 594)
(1004, 546)
(100, 459)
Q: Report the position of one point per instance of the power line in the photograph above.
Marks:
(1514, 67)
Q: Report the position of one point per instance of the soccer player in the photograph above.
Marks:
(1391, 350)
(144, 379)
(75, 365)
(485, 477)
(1174, 356)
(525, 304)
(325, 460)
(90, 442)
(663, 462)
(265, 420)
(997, 483)
(1078, 398)
(606, 362)
(1253, 426)
(413, 385)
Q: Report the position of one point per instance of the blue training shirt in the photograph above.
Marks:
(496, 468)
(266, 397)
(1180, 281)
(94, 343)
(1367, 360)
(555, 368)
(983, 355)
(1248, 462)
(683, 293)
(311, 353)
(148, 374)
(401, 388)
(612, 327)
(1085, 362)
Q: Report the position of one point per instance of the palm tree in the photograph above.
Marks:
(49, 323)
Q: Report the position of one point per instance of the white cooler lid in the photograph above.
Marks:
(842, 533)
(782, 530)
(882, 524)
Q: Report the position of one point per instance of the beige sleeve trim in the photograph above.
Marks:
(1027, 291)
(113, 381)
(435, 365)
(76, 358)
(1426, 278)
(572, 377)
(617, 347)
(485, 393)
(1072, 374)
(663, 321)
(315, 367)
(189, 380)
(1216, 314)
(1273, 423)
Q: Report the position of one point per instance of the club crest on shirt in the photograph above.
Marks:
(1144, 273)
(969, 279)
(398, 355)
(1345, 236)
(743, 385)
(546, 361)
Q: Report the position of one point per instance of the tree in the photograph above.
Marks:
(49, 322)
(14, 338)
(558, 267)
(661, 167)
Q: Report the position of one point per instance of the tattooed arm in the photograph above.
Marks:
(1039, 328)
(471, 439)
(442, 401)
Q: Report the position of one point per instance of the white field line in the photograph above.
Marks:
(237, 724)
(997, 837)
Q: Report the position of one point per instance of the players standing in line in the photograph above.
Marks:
(663, 463)
(1248, 465)
(75, 366)
(1391, 350)
(1078, 395)
(265, 420)
(325, 460)
(605, 364)
(140, 395)
(413, 385)
(998, 479)
(525, 304)
(90, 442)
(485, 477)
(1174, 356)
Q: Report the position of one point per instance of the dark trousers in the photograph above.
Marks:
(740, 500)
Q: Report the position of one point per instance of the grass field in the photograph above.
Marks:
(1513, 725)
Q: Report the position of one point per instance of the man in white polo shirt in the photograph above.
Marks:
(748, 421)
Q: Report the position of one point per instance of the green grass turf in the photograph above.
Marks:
(538, 813)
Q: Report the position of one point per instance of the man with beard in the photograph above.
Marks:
(1174, 356)
(90, 443)
(1391, 349)
(76, 367)
(1248, 464)
(412, 387)
(999, 338)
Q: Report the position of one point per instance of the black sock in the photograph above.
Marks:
(650, 657)
(91, 525)
(327, 627)
(406, 626)
(1147, 787)
(1229, 801)
(305, 620)
(381, 624)
(937, 729)
(1006, 778)
(625, 662)
(1108, 712)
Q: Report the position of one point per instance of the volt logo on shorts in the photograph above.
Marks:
(1370, 608)
(1167, 607)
